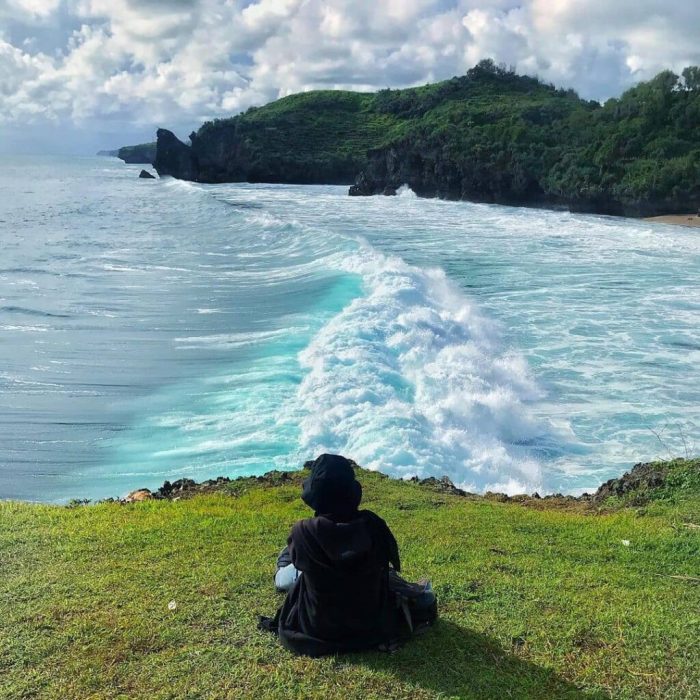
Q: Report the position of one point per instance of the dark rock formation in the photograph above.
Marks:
(169, 490)
(429, 173)
(231, 152)
(142, 153)
(146, 175)
(174, 157)
(442, 485)
(640, 480)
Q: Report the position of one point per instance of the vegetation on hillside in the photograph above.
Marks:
(313, 137)
(493, 135)
(141, 153)
(490, 135)
(538, 599)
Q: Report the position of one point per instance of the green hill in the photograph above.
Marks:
(309, 138)
(539, 598)
(495, 136)
(490, 135)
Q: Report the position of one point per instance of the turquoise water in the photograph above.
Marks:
(151, 330)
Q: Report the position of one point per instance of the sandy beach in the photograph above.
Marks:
(677, 219)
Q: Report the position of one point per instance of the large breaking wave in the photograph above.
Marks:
(412, 379)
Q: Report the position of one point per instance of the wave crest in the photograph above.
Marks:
(413, 380)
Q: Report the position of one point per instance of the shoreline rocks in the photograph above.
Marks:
(431, 174)
(641, 479)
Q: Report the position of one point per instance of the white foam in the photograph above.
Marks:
(413, 380)
(234, 340)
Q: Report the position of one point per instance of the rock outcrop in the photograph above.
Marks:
(138, 496)
(141, 154)
(641, 479)
(430, 173)
(174, 157)
(144, 174)
(236, 151)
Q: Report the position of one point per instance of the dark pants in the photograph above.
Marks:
(287, 574)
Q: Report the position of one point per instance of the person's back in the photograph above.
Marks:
(337, 570)
(343, 595)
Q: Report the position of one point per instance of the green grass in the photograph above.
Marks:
(534, 602)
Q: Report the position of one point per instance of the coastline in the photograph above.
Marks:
(690, 220)
(643, 477)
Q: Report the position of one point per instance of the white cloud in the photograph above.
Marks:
(31, 8)
(178, 62)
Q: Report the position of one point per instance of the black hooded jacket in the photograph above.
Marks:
(341, 602)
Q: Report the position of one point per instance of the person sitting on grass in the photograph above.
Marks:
(340, 571)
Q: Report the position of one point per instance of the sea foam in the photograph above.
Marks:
(321, 341)
(412, 380)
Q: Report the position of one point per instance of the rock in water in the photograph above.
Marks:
(146, 175)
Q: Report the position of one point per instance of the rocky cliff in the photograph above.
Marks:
(320, 137)
(429, 173)
(224, 154)
(174, 157)
(487, 136)
(141, 154)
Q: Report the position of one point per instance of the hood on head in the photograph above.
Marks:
(332, 488)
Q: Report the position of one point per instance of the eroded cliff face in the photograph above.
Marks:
(429, 173)
(173, 157)
(240, 152)
(217, 157)
(141, 154)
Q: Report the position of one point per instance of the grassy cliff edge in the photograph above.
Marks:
(539, 598)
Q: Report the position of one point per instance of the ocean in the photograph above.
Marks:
(157, 329)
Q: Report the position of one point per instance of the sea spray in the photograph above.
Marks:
(411, 379)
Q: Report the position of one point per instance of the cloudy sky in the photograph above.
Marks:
(78, 75)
